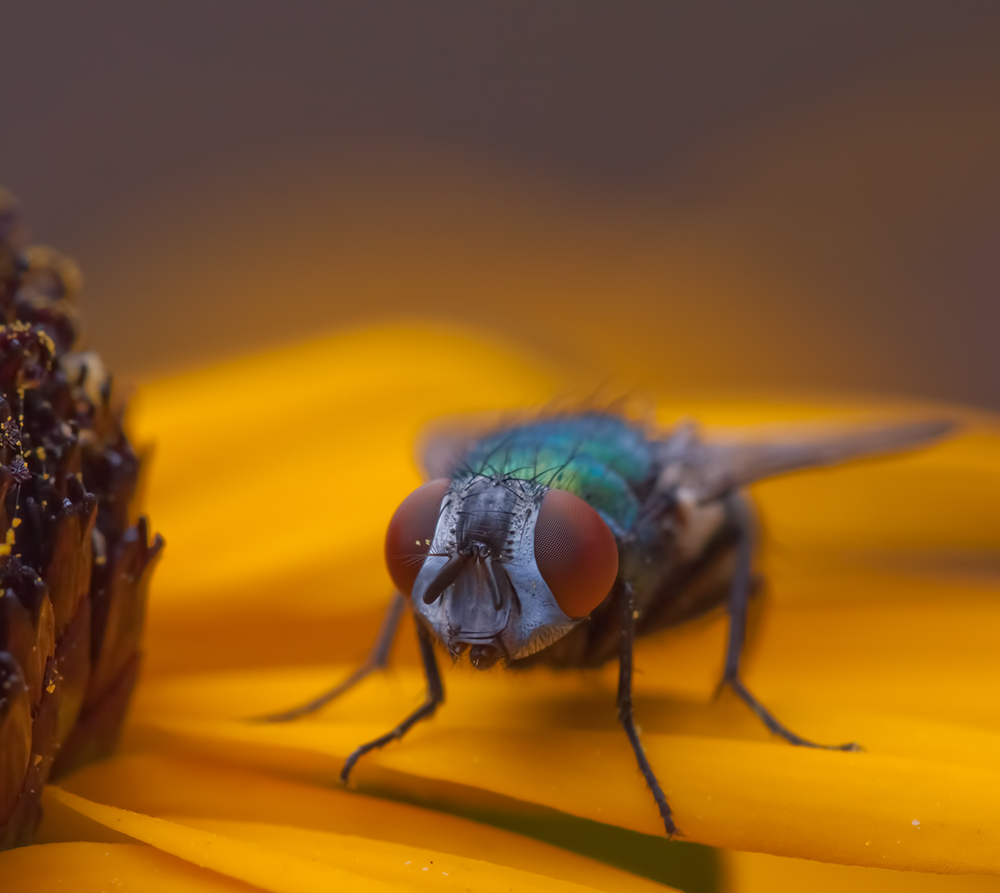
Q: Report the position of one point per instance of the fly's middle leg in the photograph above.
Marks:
(377, 659)
(739, 597)
(625, 713)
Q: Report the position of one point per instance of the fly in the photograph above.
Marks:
(562, 540)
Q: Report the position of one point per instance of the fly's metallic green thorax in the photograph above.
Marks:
(601, 458)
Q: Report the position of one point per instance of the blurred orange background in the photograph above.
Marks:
(674, 197)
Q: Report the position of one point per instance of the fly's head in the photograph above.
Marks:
(499, 567)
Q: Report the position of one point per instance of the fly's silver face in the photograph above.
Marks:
(500, 567)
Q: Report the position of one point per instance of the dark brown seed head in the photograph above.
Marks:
(74, 560)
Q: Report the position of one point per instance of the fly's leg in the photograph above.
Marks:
(739, 597)
(435, 697)
(625, 707)
(377, 659)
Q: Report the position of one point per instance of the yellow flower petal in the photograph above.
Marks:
(83, 867)
(757, 873)
(407, 866)
(250, 861)
(294, 860)
(165, 786)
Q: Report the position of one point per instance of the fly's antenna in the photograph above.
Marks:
(445, 577)
(491, 584)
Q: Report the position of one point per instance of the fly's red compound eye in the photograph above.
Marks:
(576, 552)
(411, 531)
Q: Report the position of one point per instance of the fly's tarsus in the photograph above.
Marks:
(778, 728)
(739, 599)
(435, 697)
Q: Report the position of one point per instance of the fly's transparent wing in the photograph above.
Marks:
(441, 452)
(712, 469)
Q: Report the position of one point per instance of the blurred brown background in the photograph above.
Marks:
(677, 195)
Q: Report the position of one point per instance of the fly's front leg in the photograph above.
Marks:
(739, 597)
(435, 697)
(377, 659)
(625, 713)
